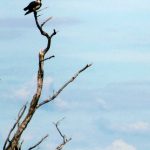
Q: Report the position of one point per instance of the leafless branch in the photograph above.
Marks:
(48, 58)
(39, 15)
(54, 33)
(44, 33)
(46, 21)
(42, 9)
(57, 124)
(20, 114)
(65, 140)
(37, 144)
(64, 86)
(38, 25)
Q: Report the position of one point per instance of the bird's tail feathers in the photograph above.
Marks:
(25, 8)
(28, 12)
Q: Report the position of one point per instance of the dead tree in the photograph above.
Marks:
(13, 142)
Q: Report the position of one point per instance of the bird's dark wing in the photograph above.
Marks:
(31, 6)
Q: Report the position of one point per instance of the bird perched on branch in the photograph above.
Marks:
(33, 6)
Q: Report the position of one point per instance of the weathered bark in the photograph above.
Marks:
(14, 142)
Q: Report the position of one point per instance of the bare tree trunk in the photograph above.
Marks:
(32, 108)
(13, 143)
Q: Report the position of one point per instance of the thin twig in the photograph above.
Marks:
(20, 114)
(65, 140)
(64, 86)
(48, 58)
(46, 21)
(54, 33)
(42, 9)
(37, 144)
(56, 124)
(39, 15)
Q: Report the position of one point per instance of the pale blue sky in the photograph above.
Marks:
(107, 107)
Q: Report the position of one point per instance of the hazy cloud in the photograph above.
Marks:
(120, 144)
(9, 34)
(28, 88)
(61, 104)
(118, 56)
(136, 127)
(102, 104)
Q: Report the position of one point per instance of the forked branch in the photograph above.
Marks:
(64, 86)
(64, 138)
(40, 27)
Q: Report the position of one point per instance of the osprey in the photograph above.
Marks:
(33, 6)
